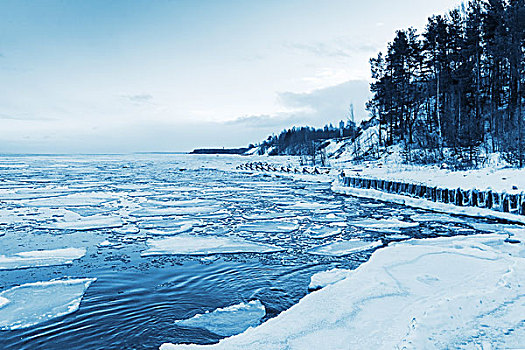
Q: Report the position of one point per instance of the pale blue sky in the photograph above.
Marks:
(124, 76)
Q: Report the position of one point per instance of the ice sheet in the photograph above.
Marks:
(205, 245)
(228, 321)
(33, 303)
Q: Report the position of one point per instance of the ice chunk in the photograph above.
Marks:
(33, 303)
(382, 223)
(170, 232)
(269, 226)
(183, 203)
(310, 206)
(324, 278)
(39, 258)
(205, 245)
(344, 247)
(173, 211)
(3, 302)
(267, 216)
(107, 243)
(328, 218)
(87, 223)
(427, 217)
(228, 321)
(73, 200)
(319, 232)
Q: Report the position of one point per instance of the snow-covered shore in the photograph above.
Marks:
(510, 180)
(454, 292)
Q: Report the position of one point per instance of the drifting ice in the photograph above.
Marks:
(32, 303)
(205, 245)
(228, 321)
(40, 258)
(344, 247)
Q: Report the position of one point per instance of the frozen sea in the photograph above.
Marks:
(157, 248)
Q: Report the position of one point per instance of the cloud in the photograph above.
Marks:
(139, 98)
(22, 117)
(315, 108)
(264, 120)
(341, 48)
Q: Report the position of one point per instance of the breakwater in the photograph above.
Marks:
(262, 166)
(513, 203)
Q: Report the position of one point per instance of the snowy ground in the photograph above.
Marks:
(455, 292)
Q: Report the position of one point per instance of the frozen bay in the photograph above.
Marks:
(219, 238)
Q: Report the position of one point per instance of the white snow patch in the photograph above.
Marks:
(228, 321)
(39, 258)
(205, 245)
(33, 303)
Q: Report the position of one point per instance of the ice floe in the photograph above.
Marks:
(228, 321)
(267, 216)
(319, 232)
(86, 223)
(269, 226)
(324, 278)
(342, 248)
(174, 211)
(33, 303)
(186, 244)
(309, 206)
(3, 302)
(40, 258)
(428, 217)
(382, 223)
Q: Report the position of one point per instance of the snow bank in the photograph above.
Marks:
(39, 258)
(205, 245)
(33, 303)
(454, 292)
(228, 321)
